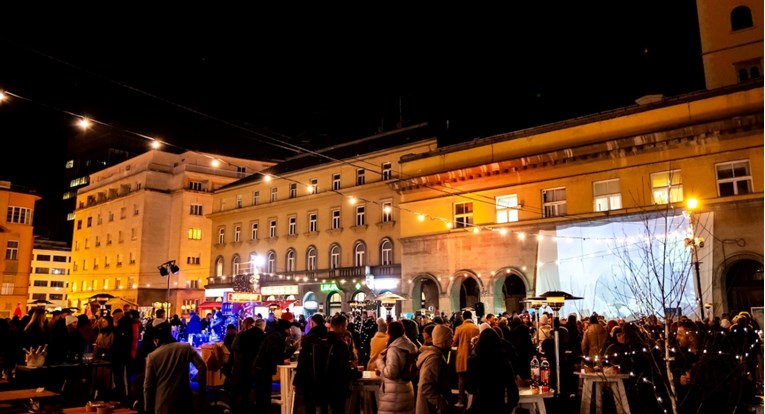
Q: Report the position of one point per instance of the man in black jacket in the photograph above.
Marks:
(244, 350)
(272, 352)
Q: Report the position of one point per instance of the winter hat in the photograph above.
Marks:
(70, 319)
(442, 336)
(381, 325)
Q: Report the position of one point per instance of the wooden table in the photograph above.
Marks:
(286, 375)
(25, 394)
(365, 389)
(536, 402)
(598, 380)
(81, 410)
(56, 376)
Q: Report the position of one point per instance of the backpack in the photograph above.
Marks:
(410, 372)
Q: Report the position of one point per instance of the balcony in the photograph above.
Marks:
(355, 272)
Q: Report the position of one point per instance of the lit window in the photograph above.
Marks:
(313, 185)
(734, 178)
(387, 212)
(667, 187)
(607, 195)
(194, 234)
(507, 208)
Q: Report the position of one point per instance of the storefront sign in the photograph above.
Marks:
(310, 304)
(279, 290)
(328, 287)
(386, 283)
(240, 297)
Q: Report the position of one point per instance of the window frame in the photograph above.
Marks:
(612, 197)
(555, 207)
(336, 182)
(361, 176)
(360, 215)
(386, 171)
(460, 210)
(734, 180)
(506, 212)
(671, 196)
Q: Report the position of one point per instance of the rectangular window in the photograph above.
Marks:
(135, 209)
(42, 270)
(193, 260)
(133, 234)
(221, 235)
(61, 259)
(254, 231)
(43, 258)
(272, 228)
(667, 187)
(237, 233)
(273, 194)
(111, 216)
(131, 258)
(312, 222)
(98, 241)
(335, 219)
(99, 219)
(7, 288)
(387, 211)
(554, 202)
(293, 190)
(335, 182)
(607, 195)
(360, 218)
(195, 210)
(195, 234)
(59, 271)
(360, 180)
(20, 215)
(56, 283)
(117, 283)
(195, 185)
(39, 296)
(123, 212)
(40, 283)
(255, 197)
(292, 225)
(12, 250)
(734, 178)
(120, 237)
(79, 224)
(108, 239)
(463, 215)
(313, 186)
(90, 221)
(387, 171)
(507, 208)
(238, 201)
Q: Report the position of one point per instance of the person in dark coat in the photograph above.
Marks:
(490, 377)
(166, 387)
(272, 352)
(121, 348)
(243, 352)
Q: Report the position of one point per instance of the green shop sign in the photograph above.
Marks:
(328, 287)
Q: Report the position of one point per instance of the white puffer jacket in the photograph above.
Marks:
(396, 396)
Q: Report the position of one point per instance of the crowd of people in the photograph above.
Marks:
(713, 366)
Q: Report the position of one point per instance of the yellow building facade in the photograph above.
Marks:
(17, 241)
(488, 218)
(318, 229)
(140, 215)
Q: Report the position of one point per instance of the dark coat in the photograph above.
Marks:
(243, 351)
(167, 389)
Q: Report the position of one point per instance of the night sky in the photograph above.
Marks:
(216, 79)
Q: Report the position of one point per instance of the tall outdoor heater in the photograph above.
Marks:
(555, 300)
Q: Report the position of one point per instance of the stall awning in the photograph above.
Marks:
(210, 305)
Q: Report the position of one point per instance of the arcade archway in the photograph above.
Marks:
(743, 285)
(465, 291)
(509, 292)
(425, 293)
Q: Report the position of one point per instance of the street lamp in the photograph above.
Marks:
(555, 300)
(165, 269)
(695, 243)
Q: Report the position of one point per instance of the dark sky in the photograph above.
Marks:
(215, 77)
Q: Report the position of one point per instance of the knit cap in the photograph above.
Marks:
(442, 336)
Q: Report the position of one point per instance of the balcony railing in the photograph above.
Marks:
(354, 272)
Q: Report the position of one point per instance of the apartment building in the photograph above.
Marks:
(320, 230)
(141, 216)
(49, 277)
(17, 240)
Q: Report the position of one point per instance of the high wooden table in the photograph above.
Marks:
(25, 394)
(595, 381)
(536, 402)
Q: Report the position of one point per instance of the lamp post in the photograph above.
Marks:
(695, 243)
(555, 300)
(165, 269)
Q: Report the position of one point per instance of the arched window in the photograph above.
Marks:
(754, 72)
(235, 264)
(291, 260)
(311, 258)
(741, 18)
(359, 253)
(334, 256)
(271, 262)
(219, 266)
(386, 252)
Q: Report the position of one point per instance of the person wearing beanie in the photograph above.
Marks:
(378, 343)
(434, 389)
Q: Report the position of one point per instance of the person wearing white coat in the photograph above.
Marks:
(396, 396)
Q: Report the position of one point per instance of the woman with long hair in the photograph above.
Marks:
(396, 393)
(36, 331)
(491, 377)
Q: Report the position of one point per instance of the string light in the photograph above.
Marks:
(84, 123)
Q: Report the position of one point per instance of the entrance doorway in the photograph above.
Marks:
(334, 304)
(470, 293)
(513, 293)
(427, 291)
(743, 283)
